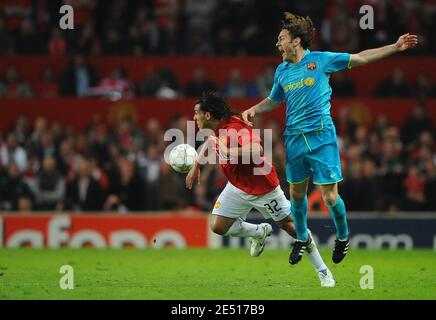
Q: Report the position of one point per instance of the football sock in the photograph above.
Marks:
(338, 213)
(240, 228)
(315, 259)
(299, 214)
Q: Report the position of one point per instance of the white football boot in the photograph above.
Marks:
(326, 278)
(258, 244)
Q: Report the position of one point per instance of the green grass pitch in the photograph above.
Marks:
(171, 274)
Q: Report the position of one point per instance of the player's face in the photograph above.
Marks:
(199, 117)
(285, 45)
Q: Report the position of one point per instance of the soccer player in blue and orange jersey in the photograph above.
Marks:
(302, 80)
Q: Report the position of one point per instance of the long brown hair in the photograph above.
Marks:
(298, 26)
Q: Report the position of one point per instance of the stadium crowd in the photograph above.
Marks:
(203, 27)
(121, 168)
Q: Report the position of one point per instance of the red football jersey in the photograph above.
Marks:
(241, 175)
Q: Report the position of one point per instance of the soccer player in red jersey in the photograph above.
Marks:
(252, 184)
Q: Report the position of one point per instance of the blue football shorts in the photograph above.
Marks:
(314, 154)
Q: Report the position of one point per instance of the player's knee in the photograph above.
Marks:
(297, 195)
(330, 198)
(218, 228)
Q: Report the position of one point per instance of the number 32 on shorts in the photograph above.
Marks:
(273, 207)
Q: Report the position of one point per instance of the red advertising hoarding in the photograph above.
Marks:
(103, 231)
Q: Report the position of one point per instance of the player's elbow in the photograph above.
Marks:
(357, 60)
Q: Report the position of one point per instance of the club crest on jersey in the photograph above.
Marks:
(311, 66)
(217, 204)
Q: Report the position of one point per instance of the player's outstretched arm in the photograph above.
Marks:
(406, 41)
(264, 106)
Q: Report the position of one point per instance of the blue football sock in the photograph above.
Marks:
(299, 214)
(338, 213)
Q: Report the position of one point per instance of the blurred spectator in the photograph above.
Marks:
(25, 204)
(47, 147)
(126, 188)
(265, 81)
(430, 185)
(152, 177)
(15, 86)
(391, 169)
(151, 85)
(113, 44)
(12, 152)
(22, 129)
(153, 133)
(345, 124)
(48, 86)
(29, 41)
(199, 83)
(235, 87)
(381, 124)
(252, 40)
(6, 40)
(416, 123)
(39, 126)
(161, 84)
(394, 86)
(423, 88)
(173, 193)
(57, 46)
(13, 188)
(360, 189)
(88, 42)
(84, 193)
(225, 41)
(49, 186)
(67, 157)
(77, 78)
(342, 85)
(99, 143)
(415, 187)
(116, 86)
(201, 201)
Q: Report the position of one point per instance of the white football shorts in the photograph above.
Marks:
(235, 203)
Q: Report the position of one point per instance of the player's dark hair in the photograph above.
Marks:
(216, 105)
(299, 26)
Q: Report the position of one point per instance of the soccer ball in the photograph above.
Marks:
(182, 158)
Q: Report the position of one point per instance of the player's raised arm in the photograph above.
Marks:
(264, 106)
(404, 42)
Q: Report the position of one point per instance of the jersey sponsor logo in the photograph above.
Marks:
(309, 81)
(311, 66)
(297, 85)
